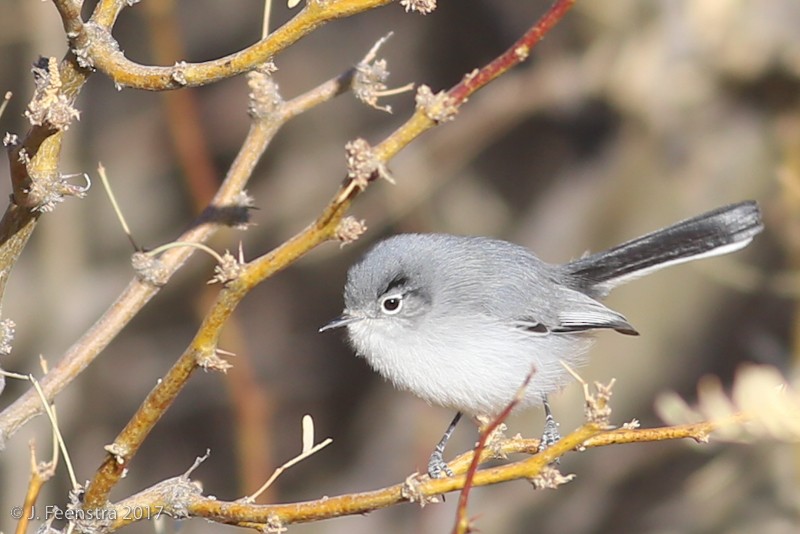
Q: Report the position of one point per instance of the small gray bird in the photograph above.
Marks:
(461, 321)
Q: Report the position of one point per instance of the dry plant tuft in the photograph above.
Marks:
(762, 405)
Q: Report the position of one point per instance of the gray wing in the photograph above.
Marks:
(504, 280)
(577, 312)
(585, 313)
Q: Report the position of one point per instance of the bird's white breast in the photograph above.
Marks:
(475, 366)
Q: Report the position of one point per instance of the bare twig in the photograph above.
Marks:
(588, 436)
(40, 473)
(192, 503)
(50, 410)
(185, 500)
(514, 55)
(4, 103)
(265, 18)
(368, 501)
(101, 171)
(106, 11)
(309, 449)
(70, 12)
(105, 56)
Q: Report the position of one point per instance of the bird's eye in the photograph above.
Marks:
(392, 304)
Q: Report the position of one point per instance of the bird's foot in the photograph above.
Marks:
(437, 467)
(550, 434)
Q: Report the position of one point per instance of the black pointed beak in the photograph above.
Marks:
(343, 320)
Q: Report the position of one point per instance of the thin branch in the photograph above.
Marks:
(410, 491)
(106, 12)
(105, 56)
(308, 448)
(50, 410)
(588, 436)
(40, 474)
(265, 18)
(517, 53)
(101, 170)
(163, 497)
(70, 12)
(4, 103)
(414, 489)
(177, 244)
(294, 461)
(16, 227)
(698, 432)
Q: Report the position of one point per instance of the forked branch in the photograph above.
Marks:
(202, 352)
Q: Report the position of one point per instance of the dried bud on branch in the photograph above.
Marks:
(363, 165)
(149, 269)
(371, 75)
(48, 105)
(49, 191)
(265, 99)
(438, 107)
(7, 331)
(421, 6)
(228, 269)
(550, 478)
(350, 229)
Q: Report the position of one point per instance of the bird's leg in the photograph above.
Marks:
(436, 463)
(550, 434)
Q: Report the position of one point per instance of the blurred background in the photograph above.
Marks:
(629, 116)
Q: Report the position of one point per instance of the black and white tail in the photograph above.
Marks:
(720, 231)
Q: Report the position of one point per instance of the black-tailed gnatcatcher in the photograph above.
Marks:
(460, 321)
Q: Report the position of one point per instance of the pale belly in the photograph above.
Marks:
(474, 374)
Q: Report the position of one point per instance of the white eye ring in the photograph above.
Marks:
(392, 304)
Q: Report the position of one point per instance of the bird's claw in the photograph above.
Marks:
(550, 435)
(437, 467)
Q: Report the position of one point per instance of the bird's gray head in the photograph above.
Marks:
(389, 288)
